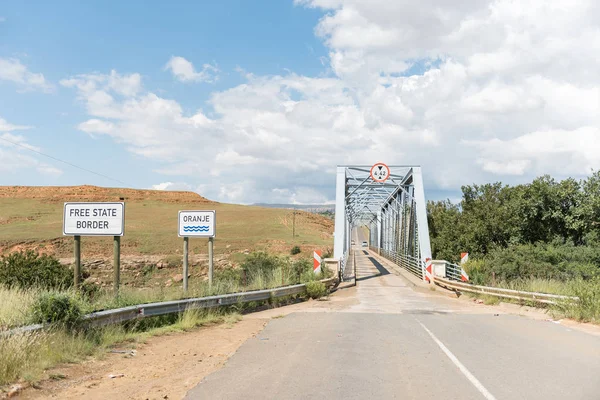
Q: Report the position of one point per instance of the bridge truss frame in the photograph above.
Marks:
(394, 212)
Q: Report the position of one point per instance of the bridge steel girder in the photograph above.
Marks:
(394, 211)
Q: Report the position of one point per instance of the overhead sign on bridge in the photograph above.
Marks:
(94, 219)
(380, 172)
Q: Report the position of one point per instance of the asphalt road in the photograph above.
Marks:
(397, 343)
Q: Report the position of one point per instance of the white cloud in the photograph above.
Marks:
(126, 85)
(14, 155)
(184, 71)
(95, 125)
(2, 19)
(49, 170)
(12, 70)
(574, 152)
(177, 186)
(6, 127)
(473, 90)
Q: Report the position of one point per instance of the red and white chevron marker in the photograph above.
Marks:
(317, 261)
(428, 270)
(464, 257)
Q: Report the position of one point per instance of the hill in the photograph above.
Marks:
(94, 193)
(31, 218)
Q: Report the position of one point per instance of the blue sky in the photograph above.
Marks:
(70, 37)
(258, 101)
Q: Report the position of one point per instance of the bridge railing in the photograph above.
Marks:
(453, 271)
(409, 263)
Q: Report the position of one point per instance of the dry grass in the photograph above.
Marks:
(15, 305)
(587, 309)
(28, 356)
(537, 285)
(151, 229)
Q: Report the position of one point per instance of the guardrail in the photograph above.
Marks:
(103, 318)
(543, 298)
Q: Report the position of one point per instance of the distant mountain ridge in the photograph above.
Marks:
(96, 193)
(317, 208)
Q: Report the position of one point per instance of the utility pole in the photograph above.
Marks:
(294, 224)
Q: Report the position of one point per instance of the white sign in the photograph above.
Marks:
(197, 223)
(94, 219)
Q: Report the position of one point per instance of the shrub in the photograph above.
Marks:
(295, 250)
(89, 290)
(57, 308)
(300, 269)
(540, 261)
(587, 309)
(233, 275)
(316, 289)
(30, 269)
(261, 263)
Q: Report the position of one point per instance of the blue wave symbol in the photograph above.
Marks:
(198, 228)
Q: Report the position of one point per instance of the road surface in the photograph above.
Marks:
(398, 343)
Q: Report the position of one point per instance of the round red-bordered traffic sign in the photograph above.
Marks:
(380, 172)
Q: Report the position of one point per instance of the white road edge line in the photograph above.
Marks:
(460, 366)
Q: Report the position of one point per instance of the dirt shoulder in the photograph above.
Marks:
(165, 367)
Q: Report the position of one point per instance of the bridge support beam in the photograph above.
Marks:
(340, 214)
(421, 208)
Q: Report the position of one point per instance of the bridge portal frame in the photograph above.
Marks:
(395, 211)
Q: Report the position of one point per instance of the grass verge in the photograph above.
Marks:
(587, 309)
(28, 356)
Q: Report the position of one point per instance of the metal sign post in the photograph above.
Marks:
(117, 264)
(95, 219)
(197, 223)
(210, 261)
(186, 243)
(77, 265)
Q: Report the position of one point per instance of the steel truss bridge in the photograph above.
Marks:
(393, 213)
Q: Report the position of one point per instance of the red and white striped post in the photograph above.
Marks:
(317, 261)
(428, 270)
(464, 257)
